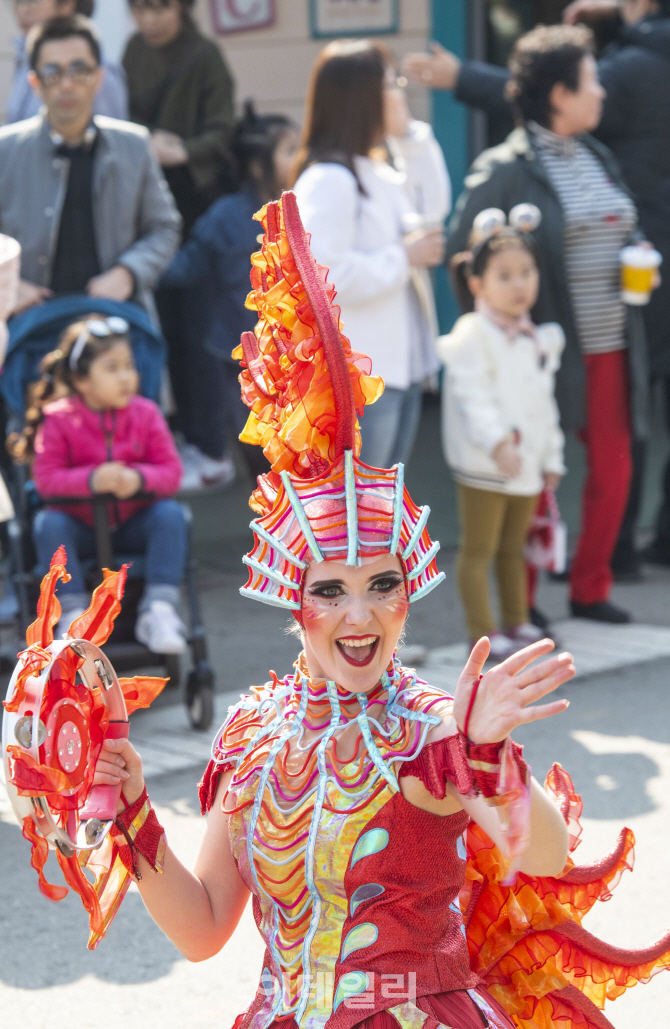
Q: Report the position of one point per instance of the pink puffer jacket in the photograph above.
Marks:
(73, 440)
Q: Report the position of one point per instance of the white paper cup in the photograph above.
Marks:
(638, 270)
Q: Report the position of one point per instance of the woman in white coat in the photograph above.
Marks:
(373, 191)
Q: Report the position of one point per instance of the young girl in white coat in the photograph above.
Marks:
(501, 424)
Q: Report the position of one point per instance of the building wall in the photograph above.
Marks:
(7, 31)
(271, 65)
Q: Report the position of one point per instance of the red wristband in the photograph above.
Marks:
(485, 762)
(137, 831)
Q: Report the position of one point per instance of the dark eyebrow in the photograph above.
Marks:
(385, 575)
(326, 582)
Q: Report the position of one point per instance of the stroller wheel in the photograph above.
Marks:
(172, 664)
(200, 699)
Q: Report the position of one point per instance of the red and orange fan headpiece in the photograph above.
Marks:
(304, 386)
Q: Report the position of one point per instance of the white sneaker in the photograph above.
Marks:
(191, 478)
(217, 473)
(527, 634)
(502, 646)
(65, 620)
(161, 629)
(201, 472)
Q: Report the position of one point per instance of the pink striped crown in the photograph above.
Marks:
(353, 511)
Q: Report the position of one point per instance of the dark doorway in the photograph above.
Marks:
(495, 27)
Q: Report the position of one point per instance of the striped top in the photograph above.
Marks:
(599, 218)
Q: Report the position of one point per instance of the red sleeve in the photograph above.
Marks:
(53, 475)
(161, 468)
(472, 768)
(209, 784)
(439, 762)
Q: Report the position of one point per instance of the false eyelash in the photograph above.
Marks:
(320, 591)
(393, 582)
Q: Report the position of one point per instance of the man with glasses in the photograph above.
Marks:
(81, 193)
(23, 102)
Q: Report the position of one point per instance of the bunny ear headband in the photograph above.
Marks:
(524, 218)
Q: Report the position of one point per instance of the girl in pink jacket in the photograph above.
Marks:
(91, 433)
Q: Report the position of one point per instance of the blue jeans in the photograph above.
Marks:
(389, 427)
(158, 533)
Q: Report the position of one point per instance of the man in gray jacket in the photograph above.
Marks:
(82, 194)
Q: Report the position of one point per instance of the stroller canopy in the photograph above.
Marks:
(36, 332)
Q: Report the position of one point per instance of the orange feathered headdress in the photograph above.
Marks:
(304, 386)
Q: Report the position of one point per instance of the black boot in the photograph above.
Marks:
(602, 611)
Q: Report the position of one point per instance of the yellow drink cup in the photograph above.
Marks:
(638, 271)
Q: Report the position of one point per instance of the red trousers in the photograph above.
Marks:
(607, 438)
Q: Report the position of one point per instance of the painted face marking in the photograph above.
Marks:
(353, 617)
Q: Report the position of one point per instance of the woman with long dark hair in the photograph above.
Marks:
(373, 191)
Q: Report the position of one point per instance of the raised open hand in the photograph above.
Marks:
(507, 689)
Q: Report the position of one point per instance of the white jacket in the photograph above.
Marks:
(494, 388)
(359, 239)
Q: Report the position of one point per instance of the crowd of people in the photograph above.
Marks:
(135, 184)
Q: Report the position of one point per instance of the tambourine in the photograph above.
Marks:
(64, 700)
(52, 730)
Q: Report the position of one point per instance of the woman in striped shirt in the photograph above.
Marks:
(587, 216)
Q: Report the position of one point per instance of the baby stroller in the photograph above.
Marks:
(33, 334)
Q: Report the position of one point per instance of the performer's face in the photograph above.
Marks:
(352, 619)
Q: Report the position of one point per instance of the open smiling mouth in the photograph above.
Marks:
(358, 650)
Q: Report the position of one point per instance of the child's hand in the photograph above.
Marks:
(508, 459)
(115, 477)
(107, 477)
(130, 482)
(552, 481)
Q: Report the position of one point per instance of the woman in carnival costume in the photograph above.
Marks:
(405, 868)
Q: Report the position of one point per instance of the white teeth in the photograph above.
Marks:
(365, 642)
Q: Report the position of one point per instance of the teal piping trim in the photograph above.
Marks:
(262, 783)
(271, 573)
(377, 759)
(398, 508)
(422, 564)
(302, 518)
(277, 544)
(418, 529)
(427, 588)
(311, 844)
(352, 514)
(267, 598)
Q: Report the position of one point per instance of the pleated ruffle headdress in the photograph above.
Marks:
(304, 386)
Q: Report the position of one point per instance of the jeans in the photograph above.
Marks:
(389, 427)
(196, 375)
(158, 533)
